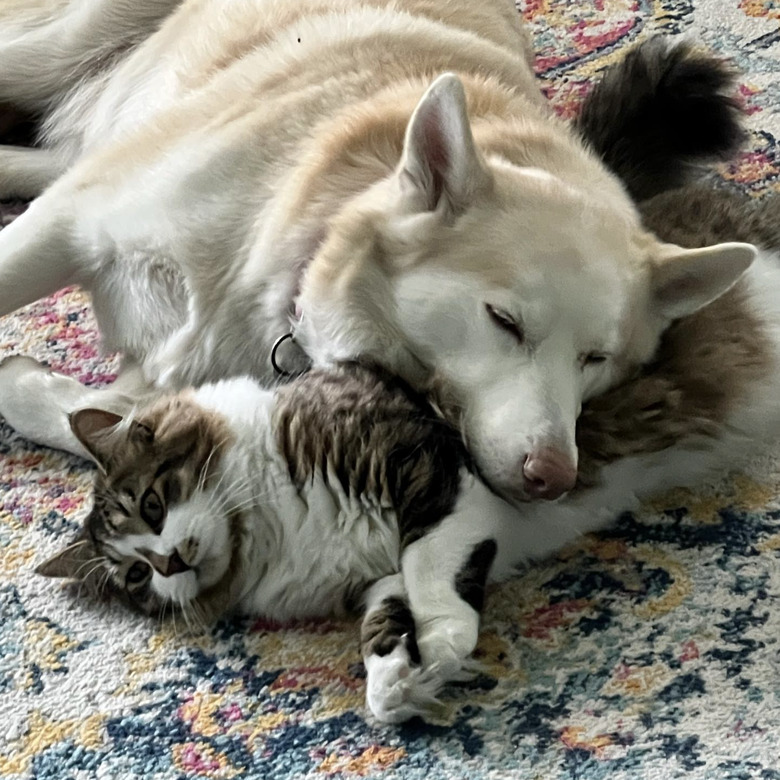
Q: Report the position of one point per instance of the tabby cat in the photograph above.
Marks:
(340, 490)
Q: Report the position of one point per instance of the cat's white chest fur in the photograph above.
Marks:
(313, 551)
(306, 551)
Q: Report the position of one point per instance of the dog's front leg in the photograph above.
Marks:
(38, 252)
(445, 575)
(445, 590)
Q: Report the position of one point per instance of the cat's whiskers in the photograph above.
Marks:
(216, 497)
(238, 485)
(169, 600)
(255, 498)
(95, 563)
(204, 470)
(199, 615)
(83, 581)
(238, 506)
(161, 614)
(217, 501)
(195, 623)
(169, 605)
(186, 617)
(201, 480)
(103, 584)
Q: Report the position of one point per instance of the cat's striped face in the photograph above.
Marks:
(158, 537)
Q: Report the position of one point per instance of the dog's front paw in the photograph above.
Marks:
(22, 381)
(17, 365)
(397, 689)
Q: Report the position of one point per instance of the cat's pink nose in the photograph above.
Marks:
(168, 566)
(548, 474)
(176, 564)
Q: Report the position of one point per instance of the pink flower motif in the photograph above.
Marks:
(690, 652)
(193, 760)
(746, 93)
(67, 504)
(622, 671)
(542, 621)
(232, 713)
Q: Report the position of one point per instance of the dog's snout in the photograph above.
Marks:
(548, 474)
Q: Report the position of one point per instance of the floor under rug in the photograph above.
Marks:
(650, 651)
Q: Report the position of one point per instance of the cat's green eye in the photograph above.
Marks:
(152, 510)
(138, 572)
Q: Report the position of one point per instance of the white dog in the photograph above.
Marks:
(220, 173)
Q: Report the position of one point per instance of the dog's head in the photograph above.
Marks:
(523, 293)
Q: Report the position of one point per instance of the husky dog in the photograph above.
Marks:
(383, 180)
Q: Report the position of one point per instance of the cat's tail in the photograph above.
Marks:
(661, 113)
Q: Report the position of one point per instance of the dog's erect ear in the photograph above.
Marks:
(685, 280)
(440, 163)
(71, 563)
(92, 427)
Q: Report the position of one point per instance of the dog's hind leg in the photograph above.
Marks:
(38, 403)
(43, 54)
(26, 173)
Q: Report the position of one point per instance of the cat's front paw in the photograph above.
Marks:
(446, 643)
(397, 689)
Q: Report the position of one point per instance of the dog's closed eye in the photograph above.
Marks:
(593, 358)
(504, 320)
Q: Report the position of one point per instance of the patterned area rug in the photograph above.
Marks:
(650, 651)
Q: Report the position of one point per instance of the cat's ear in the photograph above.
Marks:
(72, 562)
(93, 428)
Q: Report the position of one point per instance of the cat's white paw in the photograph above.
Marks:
(397, 689)
(446, 643)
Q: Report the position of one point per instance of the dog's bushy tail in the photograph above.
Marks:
(661, 113)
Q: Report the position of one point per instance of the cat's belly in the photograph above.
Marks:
(321, 551)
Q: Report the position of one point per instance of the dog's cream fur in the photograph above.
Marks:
(214, 166)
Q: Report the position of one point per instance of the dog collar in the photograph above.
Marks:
(277, 349)
(275, 357)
